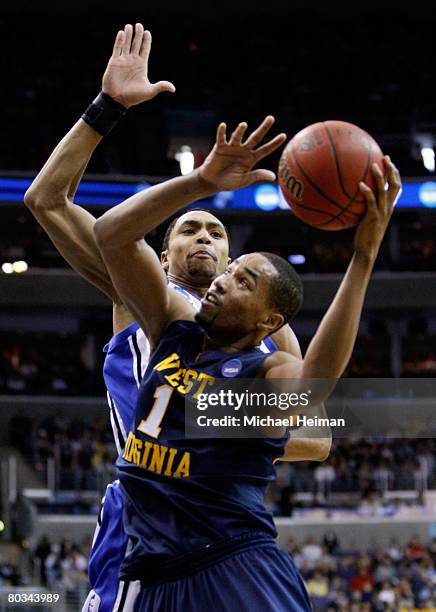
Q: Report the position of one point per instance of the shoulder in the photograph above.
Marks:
(277, 358)
(286, 340)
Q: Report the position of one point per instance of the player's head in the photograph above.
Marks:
(196, 247)
(255, 296)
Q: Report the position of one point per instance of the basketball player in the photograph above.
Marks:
(195, 250)
(200, 536)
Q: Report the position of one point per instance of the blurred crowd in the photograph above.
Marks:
(366, 468)
(408, 246)
(82, 455)
(395, 578)
(70, 364)
(47, 364)
(392, 579)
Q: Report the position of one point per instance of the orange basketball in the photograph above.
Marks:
(320, 170)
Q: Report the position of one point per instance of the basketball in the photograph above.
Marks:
(320, 170)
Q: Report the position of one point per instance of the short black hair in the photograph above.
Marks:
(286, 288)
(166, 239)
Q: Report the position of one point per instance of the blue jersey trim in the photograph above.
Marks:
(270, 344)
(121, 336)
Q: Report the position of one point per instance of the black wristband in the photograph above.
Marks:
(103, 113)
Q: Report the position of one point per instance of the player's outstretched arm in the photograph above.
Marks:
(50, 197)
(330, 349)
(133, 266)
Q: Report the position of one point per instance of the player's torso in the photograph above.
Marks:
(127, 357)
(183, 493)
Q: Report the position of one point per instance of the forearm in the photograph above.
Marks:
(130, 221)
(330, 349)
(308, 443)
(62, 172)
(307, 449)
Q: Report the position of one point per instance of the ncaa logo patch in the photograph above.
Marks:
(231, 368)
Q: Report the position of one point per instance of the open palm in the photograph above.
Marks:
(126, 76)
(230, 163)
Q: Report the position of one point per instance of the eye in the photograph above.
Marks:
(188, 231)
(244, 282)
(216, 235)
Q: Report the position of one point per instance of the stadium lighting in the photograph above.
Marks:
(428, 158)
(297, 259)
(2, 526)
(185, 157)
(20, 266)
(7, 268)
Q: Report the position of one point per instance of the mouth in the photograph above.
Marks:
(211, 298)
(203, 254)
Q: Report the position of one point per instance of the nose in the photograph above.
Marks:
(203, 237)
(219, 284)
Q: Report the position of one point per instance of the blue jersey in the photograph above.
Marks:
(183, 494)
(127, 356)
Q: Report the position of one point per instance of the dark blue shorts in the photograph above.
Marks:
(245, 574)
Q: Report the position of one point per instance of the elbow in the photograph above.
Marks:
(31, 198)
(103, 234)
(100, 233)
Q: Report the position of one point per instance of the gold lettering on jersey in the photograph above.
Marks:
(184, 379)
(188, 381)
(157, 457)
(147, 448)
(203, 379)
(183, 469)
(172, 452)
(173, 361)
(175, 378)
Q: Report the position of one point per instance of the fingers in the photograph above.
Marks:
(118, 44)
(238, 134)
(138, 43)
(137, 39)
(394, 180)
(146, 45)
(380, 184)
(270, 146)
(371, 202)
(255, 176)
(128, 32)
(259, 133)
(221, 134)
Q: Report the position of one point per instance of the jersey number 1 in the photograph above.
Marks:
(151, 425)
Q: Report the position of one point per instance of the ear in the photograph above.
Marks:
(271, 323)
(229, 261)
(164, 260)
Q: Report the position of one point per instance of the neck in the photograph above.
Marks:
(229, 345)
(199, 290)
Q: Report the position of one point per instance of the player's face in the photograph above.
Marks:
(198, 248)
(237, 302)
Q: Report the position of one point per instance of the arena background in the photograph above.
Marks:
(361, 526)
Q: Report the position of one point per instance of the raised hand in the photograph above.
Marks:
(230, 163)
(380, 207)
(126, 75)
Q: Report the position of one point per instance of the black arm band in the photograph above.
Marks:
(103, 113)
